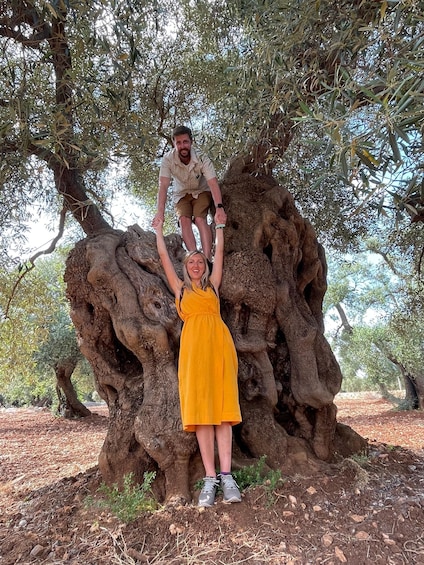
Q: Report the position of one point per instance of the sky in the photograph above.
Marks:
(126, 211)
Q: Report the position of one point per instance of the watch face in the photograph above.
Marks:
(220, 205)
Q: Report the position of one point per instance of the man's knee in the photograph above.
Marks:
(199, 221)
(185, 222)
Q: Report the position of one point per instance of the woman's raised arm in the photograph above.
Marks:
(174, 281)
(218, 262)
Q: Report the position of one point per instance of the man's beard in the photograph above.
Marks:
(184, 155)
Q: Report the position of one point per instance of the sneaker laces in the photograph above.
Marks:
(229, 481)
(209, 484)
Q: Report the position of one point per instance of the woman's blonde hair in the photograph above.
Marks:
(204, 281)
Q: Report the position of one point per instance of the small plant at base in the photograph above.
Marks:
(271, 483)
(131, 500)
(256, 475)
(251, 475)
(361, 458)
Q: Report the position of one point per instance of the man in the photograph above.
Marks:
(195, 186)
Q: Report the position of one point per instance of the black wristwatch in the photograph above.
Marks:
(220, 205)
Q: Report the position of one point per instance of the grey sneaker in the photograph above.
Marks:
(230, 489)
(207, 494)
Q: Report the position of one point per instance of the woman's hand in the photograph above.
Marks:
(157, 224)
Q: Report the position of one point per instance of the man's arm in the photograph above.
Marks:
(164, 183)
(220, 216)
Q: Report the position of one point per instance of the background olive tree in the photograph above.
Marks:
(374, 301)
(38, 342)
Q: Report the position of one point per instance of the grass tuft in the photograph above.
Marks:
(128, 502)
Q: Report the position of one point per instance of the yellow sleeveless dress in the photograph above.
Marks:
(207, 366)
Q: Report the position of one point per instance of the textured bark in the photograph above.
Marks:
(414, 385)
(414, 391)
(271, 298)
(69, 405)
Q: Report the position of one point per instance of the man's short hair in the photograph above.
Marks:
(182, 130)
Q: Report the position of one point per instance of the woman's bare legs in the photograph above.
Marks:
(206, 440)
(224, 439)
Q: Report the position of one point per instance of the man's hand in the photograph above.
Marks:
(158, 220)
(220, 216)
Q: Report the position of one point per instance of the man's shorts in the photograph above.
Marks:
(194, 207)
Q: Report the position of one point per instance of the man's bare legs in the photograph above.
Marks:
(205, 236)
(205, 233)
(187, 233)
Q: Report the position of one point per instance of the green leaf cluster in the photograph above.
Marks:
(37, 334)
(259, 475)
(129, 501)
(374, 310)
(343, 83)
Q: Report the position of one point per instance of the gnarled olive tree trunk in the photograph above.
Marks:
(69, 406)
(271, 298)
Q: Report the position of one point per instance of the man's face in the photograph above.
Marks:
(182, 144)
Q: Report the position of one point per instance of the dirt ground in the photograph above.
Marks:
(363, 510)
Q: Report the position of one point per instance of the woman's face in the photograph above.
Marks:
(196, 267)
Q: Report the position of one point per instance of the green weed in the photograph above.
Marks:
(257, 475)
(128, 502)
(251, 475)
(390, 447)
(361, 459)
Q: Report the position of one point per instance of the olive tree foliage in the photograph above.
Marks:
(19, 337)
(38, 341)
(351, 70)
(309, 93)
(375, 307)
(248, 76)
(64, 98)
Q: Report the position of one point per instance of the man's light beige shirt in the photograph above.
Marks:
(187, 179)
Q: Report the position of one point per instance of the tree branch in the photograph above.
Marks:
(345, 322)
(25, 13)
(30, 264)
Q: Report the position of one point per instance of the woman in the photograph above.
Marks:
(207, 367)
